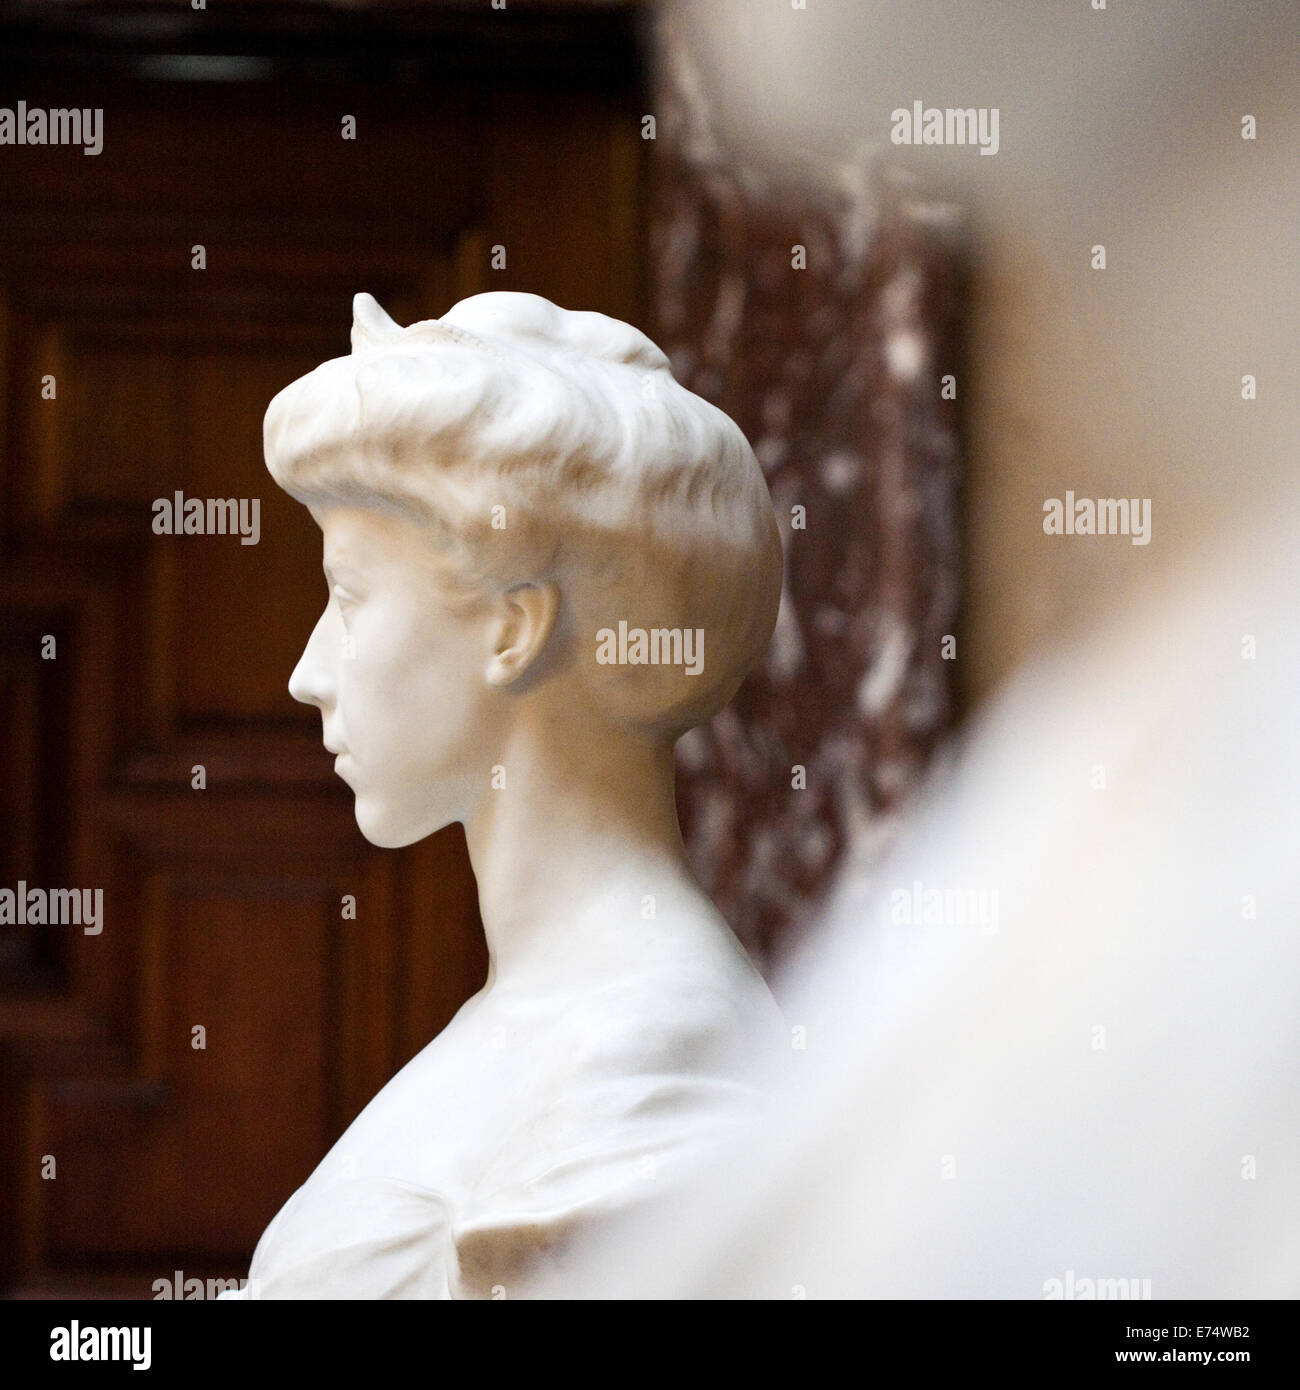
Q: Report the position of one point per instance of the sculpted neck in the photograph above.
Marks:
(584, 828)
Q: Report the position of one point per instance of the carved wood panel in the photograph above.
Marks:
(222, 906)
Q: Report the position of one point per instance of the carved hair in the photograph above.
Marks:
(640, 500)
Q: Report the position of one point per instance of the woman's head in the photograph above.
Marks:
(513, 447)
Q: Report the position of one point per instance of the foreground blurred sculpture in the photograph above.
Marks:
(994, 1104)
(546, 561)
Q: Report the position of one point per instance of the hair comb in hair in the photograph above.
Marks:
(371, 325)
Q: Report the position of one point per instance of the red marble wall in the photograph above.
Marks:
(832, 363)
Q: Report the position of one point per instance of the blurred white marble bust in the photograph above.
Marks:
(546, 561)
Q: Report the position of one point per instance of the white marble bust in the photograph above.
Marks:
(546, 561)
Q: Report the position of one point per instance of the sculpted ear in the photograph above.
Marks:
(523, 628)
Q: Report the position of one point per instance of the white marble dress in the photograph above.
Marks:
(537, 1111)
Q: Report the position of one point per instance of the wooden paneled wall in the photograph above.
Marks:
(222, 907)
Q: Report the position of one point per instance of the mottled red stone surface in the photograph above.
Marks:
(834, 373)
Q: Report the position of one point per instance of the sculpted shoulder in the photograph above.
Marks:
(680, 1003)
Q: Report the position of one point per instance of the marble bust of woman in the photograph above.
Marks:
(546, 560)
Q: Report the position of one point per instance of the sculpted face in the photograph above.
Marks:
(649, 508)
(406, 677)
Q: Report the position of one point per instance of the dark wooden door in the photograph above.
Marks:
(127, 374)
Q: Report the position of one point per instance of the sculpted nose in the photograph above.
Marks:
(312, 682)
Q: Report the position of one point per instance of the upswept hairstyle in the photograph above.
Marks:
(543, 444)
